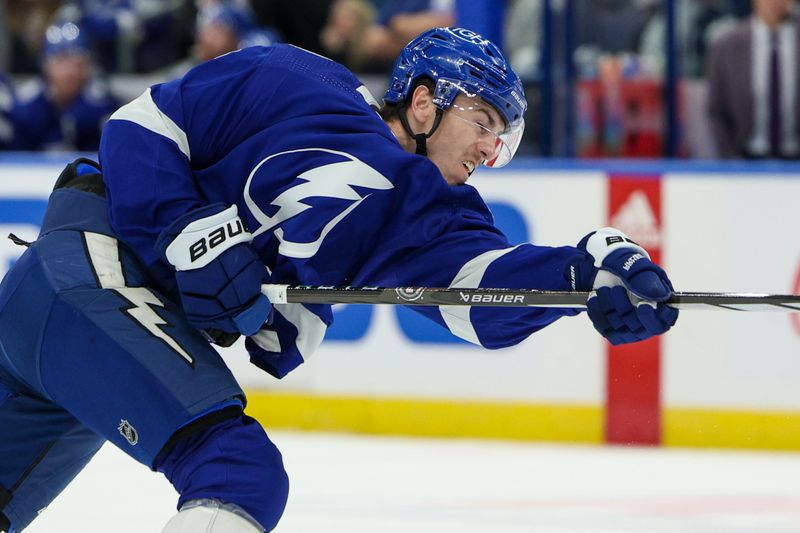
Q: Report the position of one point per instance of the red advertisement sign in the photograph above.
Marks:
(633, 391)
(795, 317)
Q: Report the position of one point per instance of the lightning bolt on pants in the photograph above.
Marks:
(89, 354)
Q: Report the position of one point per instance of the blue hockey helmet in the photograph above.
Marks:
(459, 61)
(64, 38)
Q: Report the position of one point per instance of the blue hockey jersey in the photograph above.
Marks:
(327, 191)
(40, 125)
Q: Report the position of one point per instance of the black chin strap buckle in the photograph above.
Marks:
(422, 144)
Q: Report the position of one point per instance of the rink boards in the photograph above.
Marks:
(718, 379)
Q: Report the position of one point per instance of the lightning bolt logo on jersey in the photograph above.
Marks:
(325, 188)
(332, 187)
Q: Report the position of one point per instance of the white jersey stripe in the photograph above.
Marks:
(310, 330)
(469, 277)
(104, 255)
(310, 327)
(267, 340)
(144, 112)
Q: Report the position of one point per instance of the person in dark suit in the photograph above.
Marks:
(754, 84)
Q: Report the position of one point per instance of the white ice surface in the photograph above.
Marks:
(358, 484)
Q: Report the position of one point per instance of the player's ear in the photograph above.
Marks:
(421, 108)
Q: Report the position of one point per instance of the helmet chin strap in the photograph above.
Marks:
(420, 138)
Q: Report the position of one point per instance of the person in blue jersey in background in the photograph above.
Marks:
(66, 108)
(132, 35)
(221, 28)
(266, 165)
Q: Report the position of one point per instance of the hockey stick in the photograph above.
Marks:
(281, 294)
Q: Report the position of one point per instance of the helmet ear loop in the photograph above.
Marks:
(420, 138)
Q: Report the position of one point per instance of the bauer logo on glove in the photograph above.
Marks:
(216, 226)
(215, 238)
(627, 288)
(218, 274)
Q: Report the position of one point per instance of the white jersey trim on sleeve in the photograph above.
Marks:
(144, 112)
(469, 277)
(310, 330)
(267, 340)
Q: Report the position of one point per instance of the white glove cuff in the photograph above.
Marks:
(606, 240)
(203, 240)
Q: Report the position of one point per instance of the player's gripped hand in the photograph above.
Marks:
(627, 288)
(218, 274)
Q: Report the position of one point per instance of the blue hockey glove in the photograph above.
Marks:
(218, 274)
(626, 287)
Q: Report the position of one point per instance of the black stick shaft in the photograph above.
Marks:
(512, 297)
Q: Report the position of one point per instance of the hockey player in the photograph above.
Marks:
(266, 165)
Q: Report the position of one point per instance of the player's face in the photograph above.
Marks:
(467, 136)
(67, 75)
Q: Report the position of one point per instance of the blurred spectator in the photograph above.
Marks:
(400, 21)
(754, 85)
(67, 107)
(698, 23)
(5, 39)
(397, 22)
(740, 8)
(523, 37)
(342, 35)
(26, 22)
(611, 26)
(6, 105)
(299, 22)
(222, 28)
(133, 35)
(259, 37)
